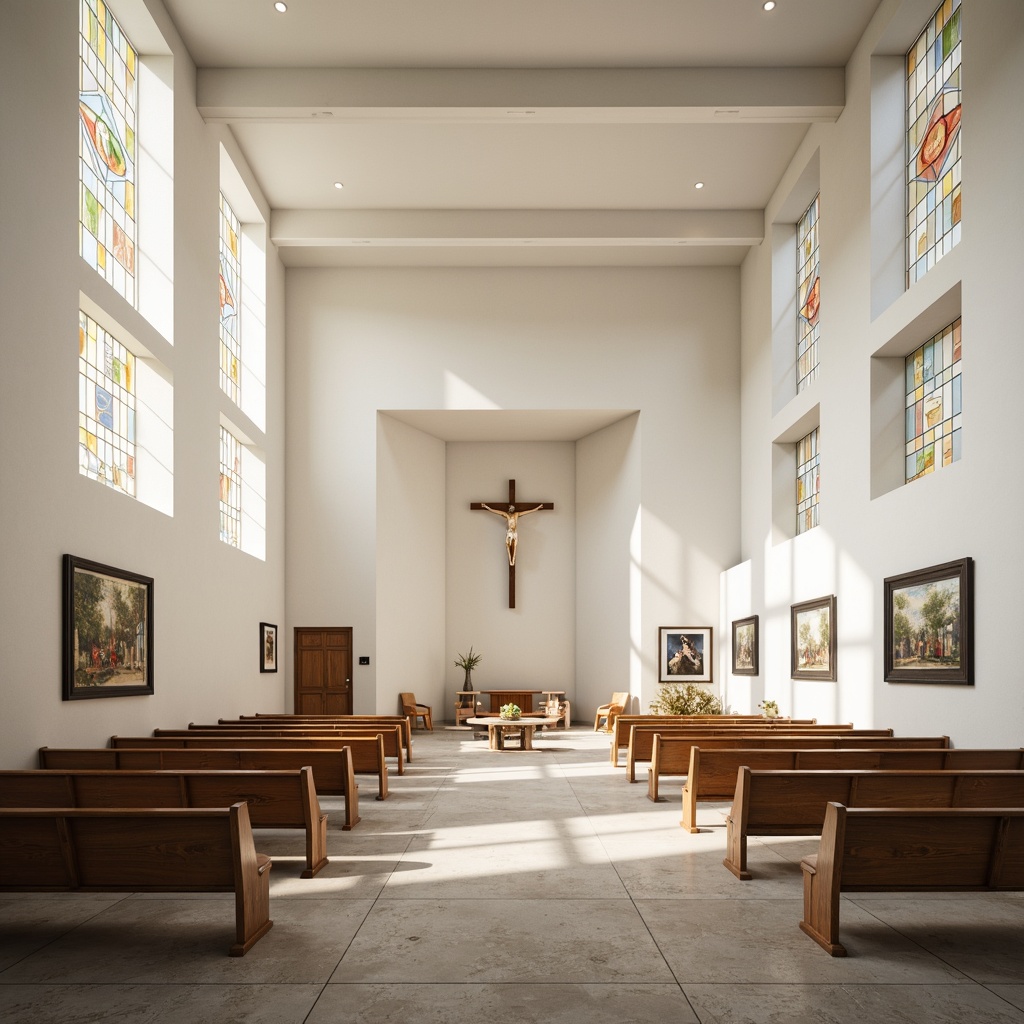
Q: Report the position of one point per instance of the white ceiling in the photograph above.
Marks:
(537, 132)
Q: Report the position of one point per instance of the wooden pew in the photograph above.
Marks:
(333, 771)
(392, 736)
(792, 803)
(907, 849)
(331, 722)
(640, 748)
(623, 723)
(711, 774)
(367, 752)
(140, 850)
(280, 799)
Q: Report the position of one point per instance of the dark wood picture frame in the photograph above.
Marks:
(812, 655)
(745, 646)
(677, 648)
(268, 647)
(107, 631)
(924, 641)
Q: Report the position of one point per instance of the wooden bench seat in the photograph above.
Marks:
(392, 735)
(328, 720)
(792, 803)
(314, 723)
(140, 850)
(907, 849)
(623, 723)
(333, 771)
(640, 747)
(276, 799)
(367, 751)
(711, 773)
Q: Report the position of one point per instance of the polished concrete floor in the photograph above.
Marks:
(515, 886)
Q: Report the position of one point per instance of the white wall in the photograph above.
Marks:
(869, 531)
(661, 341)
(208, 599)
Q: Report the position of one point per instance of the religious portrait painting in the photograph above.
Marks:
(685, 654)
(268, 647)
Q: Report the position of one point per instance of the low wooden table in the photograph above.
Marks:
(498, 730)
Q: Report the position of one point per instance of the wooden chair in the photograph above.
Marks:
(414, 711)
(610, 711)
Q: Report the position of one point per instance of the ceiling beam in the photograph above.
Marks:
(601, 228)
(564, 95)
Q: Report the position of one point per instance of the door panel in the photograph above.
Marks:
(323, 670)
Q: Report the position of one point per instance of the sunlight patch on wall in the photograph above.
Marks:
(459, 394)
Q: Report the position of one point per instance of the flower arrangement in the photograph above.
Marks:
(469, 661)
(770, 708)
(510, 711)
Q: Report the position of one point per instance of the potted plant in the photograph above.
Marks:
(676, 699)
(769, 708)
(468, 662)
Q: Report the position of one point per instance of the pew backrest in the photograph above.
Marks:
(275, 799)
(328, 720)
(907, 849)
(711, 774)
(791, 803)
(333, 770)
(140, 850)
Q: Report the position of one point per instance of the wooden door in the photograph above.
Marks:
(323, 670)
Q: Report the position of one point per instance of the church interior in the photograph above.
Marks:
(657, 269)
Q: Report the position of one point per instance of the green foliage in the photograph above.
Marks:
(676, 699)
(510, 711)
(469, 661)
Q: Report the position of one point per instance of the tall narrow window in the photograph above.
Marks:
(107, 107)
(106, 407)
(230, 303)
(230, 488)
(933, 141)
(934, 403)
(808, 482)
(808, 289)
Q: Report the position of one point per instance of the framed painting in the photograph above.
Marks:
(268, 647)
(929, 625)
(685, 654)
(744, 646)
(813, 639)
(107, 631)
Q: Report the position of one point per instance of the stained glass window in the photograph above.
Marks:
(106, 407)
(808, 287)
(230, 297)
(107, 107)
(808, 482)
(230, 488)
(933, 141)
(934, 403)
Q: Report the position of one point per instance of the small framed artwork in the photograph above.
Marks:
(929, 625)
(268, 647)
(107, 631)
(685, 654)
(744, 647)
(813, 639)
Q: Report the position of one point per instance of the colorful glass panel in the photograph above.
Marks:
(230, 297)
(933, 141)
(230, 488)
(808, 482)
(106, 407)
(933, 406)
(107, 111)
(808, 290)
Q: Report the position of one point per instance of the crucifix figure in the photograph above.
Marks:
(511, 511)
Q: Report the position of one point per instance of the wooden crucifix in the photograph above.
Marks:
(511, 511)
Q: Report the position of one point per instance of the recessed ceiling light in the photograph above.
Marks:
(339, 184)
(769, 5)
(698, 184)
(281, 6)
